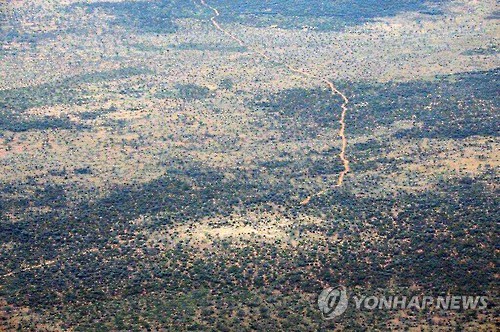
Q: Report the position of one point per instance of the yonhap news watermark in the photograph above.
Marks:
(334, 301)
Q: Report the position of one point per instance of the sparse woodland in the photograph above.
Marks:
(152, 169)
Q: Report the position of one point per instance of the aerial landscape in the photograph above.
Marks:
(249, 165)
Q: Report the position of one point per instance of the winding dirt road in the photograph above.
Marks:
(331, 86)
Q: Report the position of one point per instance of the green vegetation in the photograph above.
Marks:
(192, 91)
(323, 15)
(302, 113)
(144, 16)
(70, 91)
(16, 123)
(127, 270)
(66, 91)
(207, 47)
(184, 91)
(455, 106)
(195, 187)
(492, 49)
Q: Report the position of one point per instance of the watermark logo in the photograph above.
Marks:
(333, 302)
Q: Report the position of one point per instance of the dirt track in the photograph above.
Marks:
(331, 86)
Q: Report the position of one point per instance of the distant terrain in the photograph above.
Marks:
(164, 168)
